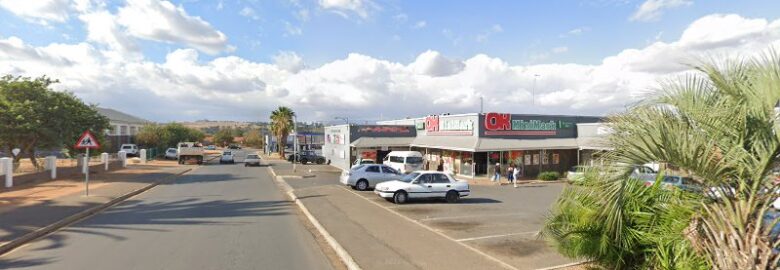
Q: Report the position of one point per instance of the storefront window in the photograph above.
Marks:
(493, 158)
(556, 159)
(545, 158)
(536, 159)
(467, 164)
(527, 159)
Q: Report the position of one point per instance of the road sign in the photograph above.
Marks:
(87, 141)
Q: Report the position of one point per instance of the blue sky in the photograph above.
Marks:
(519, 34)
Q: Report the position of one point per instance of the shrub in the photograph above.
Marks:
(549, 176)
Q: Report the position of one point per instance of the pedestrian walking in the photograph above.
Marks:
(517, 174)
(510, 173)
(497, 173)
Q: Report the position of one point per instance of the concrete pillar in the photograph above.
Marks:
(142, 156)
(6, 165)
(51, 165)
(123, 158)
(104, 159)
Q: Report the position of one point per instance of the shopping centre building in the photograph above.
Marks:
(470, 145)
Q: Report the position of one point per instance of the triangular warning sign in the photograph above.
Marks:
(87, 141)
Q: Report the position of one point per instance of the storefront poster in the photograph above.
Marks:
(556, 159)
(536, 159)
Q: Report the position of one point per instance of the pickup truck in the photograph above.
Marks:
(190, 152)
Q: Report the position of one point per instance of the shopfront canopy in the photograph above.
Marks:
(365, 142)
(456, 143)
(489, 144)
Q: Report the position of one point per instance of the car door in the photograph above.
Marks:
(388, 173)
(421, 187)
(440, 184)
(373, 175)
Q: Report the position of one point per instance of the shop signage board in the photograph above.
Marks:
(382, 131)
(504, 125)
(447, 126)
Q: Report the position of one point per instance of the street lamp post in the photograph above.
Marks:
(346, 119)
(295, 144)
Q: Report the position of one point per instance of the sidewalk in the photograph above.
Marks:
(28, 208)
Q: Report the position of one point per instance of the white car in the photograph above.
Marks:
(366, 176)
(252, 160)
(130, 149)
(227, 157)
(172, 153)
(423, 184)
(362, 161)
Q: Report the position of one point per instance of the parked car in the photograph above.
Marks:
(211, 147)
(252, 160)
(681, 182)
(576, 173)
(130, 149)
(362, 161)
(306, 157)
(234, 147)
(172, 153)
(366, 176)
(404, 161)
(227, 157)
(423, 184)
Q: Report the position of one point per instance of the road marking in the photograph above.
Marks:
(471, 216)
(500, 262)
(495, 236)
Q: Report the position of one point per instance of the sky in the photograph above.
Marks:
(370, 60)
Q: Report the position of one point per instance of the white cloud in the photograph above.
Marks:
(574, 32)
(249, 13)
(342, 7)
(38, 11)
(420, 25)
(496, 28)
(162, 21)
(291, 30)
(289, 61)
(652, 10)
(401, 17)
(361, 86)
(561, 49)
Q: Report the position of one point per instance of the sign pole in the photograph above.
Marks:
(86, 163)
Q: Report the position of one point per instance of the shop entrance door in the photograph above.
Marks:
(380, 155)
(480, 163)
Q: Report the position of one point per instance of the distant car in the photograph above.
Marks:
(681, 182)
(423, 184)
(252, 160)
(211, 147)
(576, 173)
(171, 153)
(130, 149)
(227, 157)
(306, 157)
(234, 147)
(362, 161)
(365, 176)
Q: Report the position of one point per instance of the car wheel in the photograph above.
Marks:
(246, 165)
(400, 197)
(452, 196)
(304, 161)
(361, 185)
(320, 161)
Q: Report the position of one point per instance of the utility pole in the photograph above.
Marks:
(295, 143)
(533, 93)
(481, 104)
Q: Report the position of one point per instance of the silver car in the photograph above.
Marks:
(364, 177)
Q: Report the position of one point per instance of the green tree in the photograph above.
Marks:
(254, 138)
(224, 137)
(281, 125)
(33, 116)
(721, 126)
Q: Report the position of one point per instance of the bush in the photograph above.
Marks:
(549, 176)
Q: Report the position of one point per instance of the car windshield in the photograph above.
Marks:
(227, 154)
(171, 150)
(414, 160)
(126, 147)
(670, 179)
(359, 167)
(409, 177)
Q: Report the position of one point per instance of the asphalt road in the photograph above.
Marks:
(216, 217)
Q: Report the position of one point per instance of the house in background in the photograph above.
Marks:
(123, 127)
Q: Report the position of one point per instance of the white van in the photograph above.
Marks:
(404, 161)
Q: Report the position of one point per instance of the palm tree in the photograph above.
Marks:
(720, 126)
(281, 125)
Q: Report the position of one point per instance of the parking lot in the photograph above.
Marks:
(501, 222)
